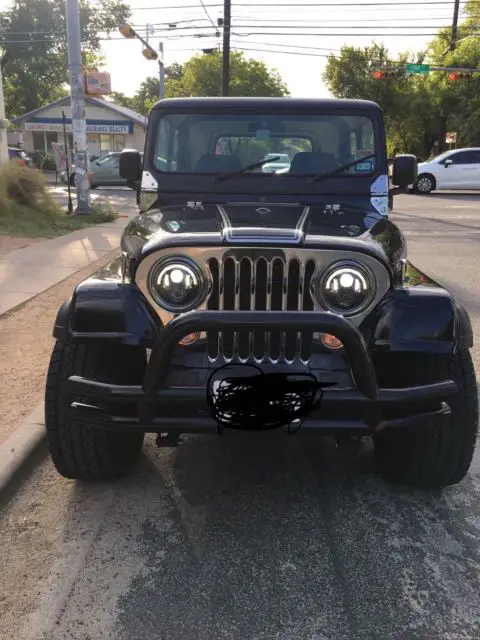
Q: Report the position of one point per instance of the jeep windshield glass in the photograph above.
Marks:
(307, 144)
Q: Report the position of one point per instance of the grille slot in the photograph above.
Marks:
(262, 284)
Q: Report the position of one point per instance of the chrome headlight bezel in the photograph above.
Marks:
(360, 270)
(192, 268)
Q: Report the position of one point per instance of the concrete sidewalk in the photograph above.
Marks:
(26, 272)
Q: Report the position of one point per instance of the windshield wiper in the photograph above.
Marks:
(334, 172)
(255, 165)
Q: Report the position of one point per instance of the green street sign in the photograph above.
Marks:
(418, 68)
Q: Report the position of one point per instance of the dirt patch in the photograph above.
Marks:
(9, 243)
(25, 347)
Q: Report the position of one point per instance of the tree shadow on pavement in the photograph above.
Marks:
(260, 536)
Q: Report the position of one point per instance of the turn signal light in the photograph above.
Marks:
(331, 342)
(190, 339)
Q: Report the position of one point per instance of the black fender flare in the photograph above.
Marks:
(107, 310)
(419, 318)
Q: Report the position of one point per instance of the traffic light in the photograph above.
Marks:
(386, 74)
(459, 75)
(127, 31)
(150, 54)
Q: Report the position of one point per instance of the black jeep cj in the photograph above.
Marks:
(256, 300)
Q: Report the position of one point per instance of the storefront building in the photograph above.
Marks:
(110, 127)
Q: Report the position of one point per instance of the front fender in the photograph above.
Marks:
(107, 311)
(420, 318)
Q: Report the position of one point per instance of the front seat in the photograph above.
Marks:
(311, 162)
(217, 164)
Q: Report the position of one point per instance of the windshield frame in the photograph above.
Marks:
(257, 183)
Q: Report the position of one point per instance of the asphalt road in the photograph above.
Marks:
(258, 537)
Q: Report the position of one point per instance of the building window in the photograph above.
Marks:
(118, 142)
(39, 141)
(111, 142)
(51, 137)
(105, 142)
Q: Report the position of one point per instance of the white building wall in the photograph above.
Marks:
(137, 140)
(93, 112)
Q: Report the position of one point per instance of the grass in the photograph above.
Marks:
(27, 209)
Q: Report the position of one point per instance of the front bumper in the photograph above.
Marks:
(155, 407)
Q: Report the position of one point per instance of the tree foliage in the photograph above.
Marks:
(418, 110)
(34, 47)
(201, 76)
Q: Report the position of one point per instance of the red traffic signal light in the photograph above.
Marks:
(391, 73)
(459, 75)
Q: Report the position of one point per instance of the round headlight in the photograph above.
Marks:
(346, 288)
(177, 284)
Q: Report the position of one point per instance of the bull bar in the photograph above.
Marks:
(185, 410)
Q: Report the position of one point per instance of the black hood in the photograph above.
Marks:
(352, 223)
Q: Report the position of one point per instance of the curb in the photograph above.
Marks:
(22, 443)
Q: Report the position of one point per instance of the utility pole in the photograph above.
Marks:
(3, 126)
(227, 20)
(161, 70)
(79, 123)
(453, 42)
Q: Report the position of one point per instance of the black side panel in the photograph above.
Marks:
(62, 320)
(419, 318)
(464, 328)
(107, 311)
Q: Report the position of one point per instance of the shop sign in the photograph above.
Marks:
(91, 128)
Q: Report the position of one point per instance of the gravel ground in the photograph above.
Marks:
(25, 347)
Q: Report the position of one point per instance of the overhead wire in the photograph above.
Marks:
(277, 6)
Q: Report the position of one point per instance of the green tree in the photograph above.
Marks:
(248, 77)
(418, 110)
(35, 63)
(121, 99)
(201, 76)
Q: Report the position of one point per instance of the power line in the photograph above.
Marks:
(210, 19)
(314, 26)
(316, 4)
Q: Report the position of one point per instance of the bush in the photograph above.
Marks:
(27, 209)
(23, 186)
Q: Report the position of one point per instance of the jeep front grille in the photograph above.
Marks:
(265, 284)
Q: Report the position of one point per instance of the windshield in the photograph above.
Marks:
(305, 144)
(440, 157)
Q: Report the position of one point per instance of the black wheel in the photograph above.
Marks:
(72, 180)
(425, 184)
(437, 453)
(79, 450)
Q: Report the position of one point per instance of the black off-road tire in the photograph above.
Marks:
(439, 452)
(79, 450)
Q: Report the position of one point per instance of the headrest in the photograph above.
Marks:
(217, 164)
(306, 162)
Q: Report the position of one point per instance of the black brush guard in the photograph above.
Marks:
(160, 409)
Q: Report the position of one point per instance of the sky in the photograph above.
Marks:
(287, 36)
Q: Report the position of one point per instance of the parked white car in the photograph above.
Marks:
(282, 162)
(457, 169)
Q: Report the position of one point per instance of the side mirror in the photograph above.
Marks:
(131, 165)
(447, 162)
(404, 171)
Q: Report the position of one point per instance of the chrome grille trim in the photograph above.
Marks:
(315, 261)
(271, 280)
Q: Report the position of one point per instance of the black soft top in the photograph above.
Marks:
(287, 104)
